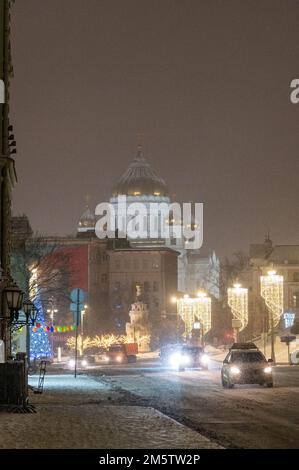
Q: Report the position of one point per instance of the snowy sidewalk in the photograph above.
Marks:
(84, 413)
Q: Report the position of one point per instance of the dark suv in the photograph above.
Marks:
(246, 364)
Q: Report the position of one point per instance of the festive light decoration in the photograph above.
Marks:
(39, 340)
(272, 293)
(238, 302)
(54, 329)
(195, 309)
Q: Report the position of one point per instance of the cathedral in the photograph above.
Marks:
(141, 184)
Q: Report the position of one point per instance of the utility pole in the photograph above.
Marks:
(272, 339)
(51, 311)
(77, 324)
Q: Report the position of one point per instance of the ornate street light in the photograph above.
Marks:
(14, 299)
(30, 311)
(34, 313)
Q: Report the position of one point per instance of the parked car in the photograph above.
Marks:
(246, 364)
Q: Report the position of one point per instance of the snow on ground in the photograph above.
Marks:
(83, 413)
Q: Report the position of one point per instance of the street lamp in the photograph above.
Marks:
(30, 311)
(14, 299)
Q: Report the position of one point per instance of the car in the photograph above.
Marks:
(82, 362)
(182, 356)
(246, 364)
(122, 353)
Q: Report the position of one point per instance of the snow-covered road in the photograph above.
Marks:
(244, 417)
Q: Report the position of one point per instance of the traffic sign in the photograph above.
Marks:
(75, 306)
(287, 338)
(78, 295)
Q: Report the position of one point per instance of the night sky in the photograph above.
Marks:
(207, 81)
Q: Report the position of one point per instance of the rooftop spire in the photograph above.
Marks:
(140, 145)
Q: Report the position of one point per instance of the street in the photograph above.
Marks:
(247, 416)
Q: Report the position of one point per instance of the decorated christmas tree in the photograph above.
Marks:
(39, 339)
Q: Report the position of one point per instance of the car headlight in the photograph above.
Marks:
(235, 370)
(185, 359)
(175, 359)
(268, 370)
(84, 363)
(204, 359)
(72, 363)
(119, 358)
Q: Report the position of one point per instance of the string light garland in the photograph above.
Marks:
(195, 309)
(53, 329)
(272, 293)
(237, 298)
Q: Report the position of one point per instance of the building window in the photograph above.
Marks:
(296, 300)
(117, 285)
(296, 277)
(104, 278)
(146, 286)
(155, 286)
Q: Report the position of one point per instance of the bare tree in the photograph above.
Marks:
(47, 261)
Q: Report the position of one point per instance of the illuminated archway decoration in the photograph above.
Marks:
(193, 310)
(272, 293)
(238, 303)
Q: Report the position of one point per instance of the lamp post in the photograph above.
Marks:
(52, 310)
(31, 315)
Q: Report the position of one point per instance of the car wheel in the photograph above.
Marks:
(224, 382)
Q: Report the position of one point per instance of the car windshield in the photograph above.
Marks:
(115, 349)
(247, 356)
(192, 350)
